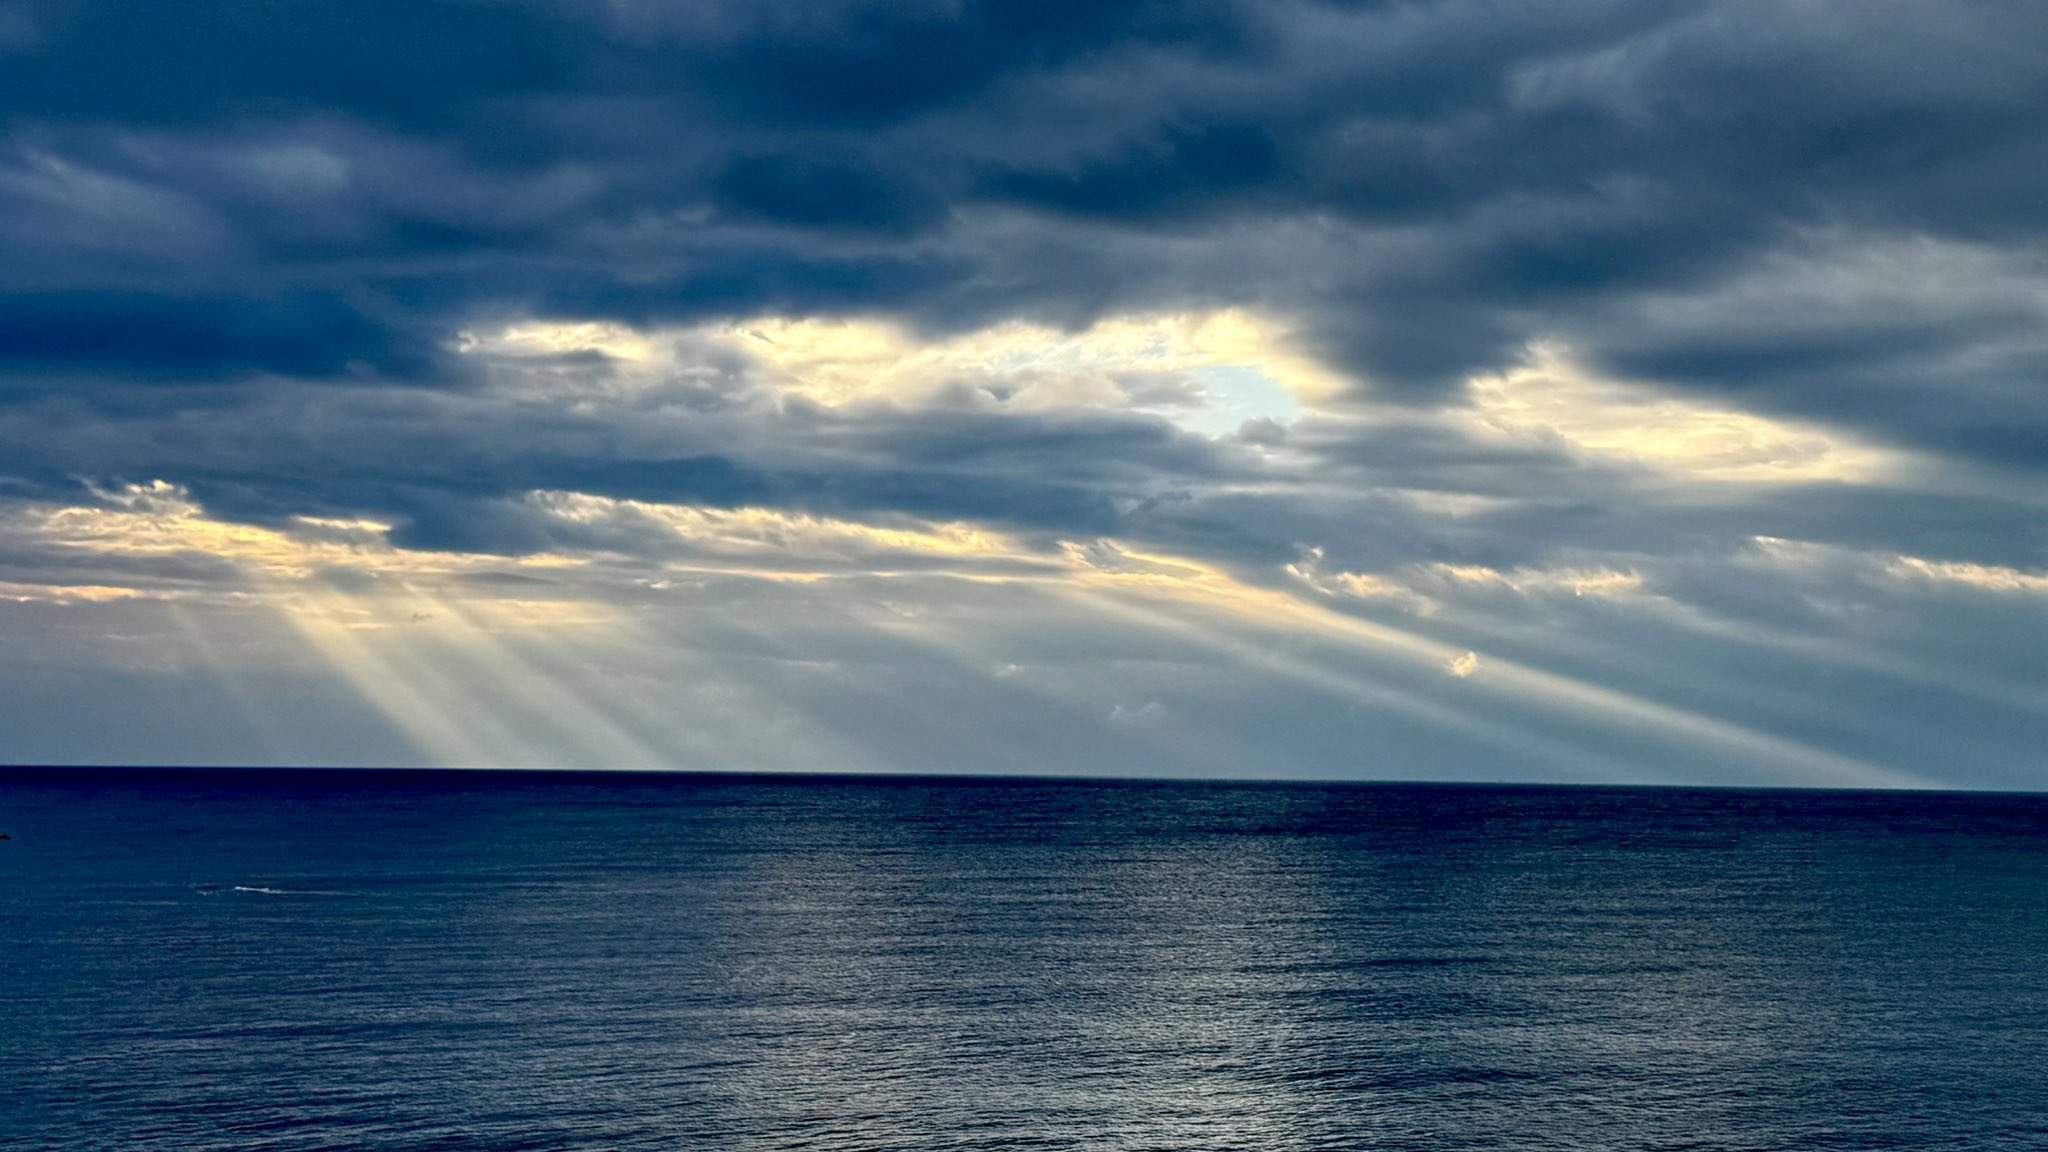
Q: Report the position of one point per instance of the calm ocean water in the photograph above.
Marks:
(408, 961)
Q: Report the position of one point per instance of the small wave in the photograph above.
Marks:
(266, 890)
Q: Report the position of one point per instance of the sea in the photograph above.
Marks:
(299, 960)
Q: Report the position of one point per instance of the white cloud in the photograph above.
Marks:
(1596, 583)
(1984, 577)
(1551, 396)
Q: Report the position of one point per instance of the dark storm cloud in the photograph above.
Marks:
(1824, 210)
(1485, 173)
(806, 191)
(412, 65)
(1181, 169)
(142, 336)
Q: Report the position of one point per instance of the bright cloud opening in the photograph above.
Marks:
(1210, 372)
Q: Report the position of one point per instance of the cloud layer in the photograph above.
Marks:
(1570, 390)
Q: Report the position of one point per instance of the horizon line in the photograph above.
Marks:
(801, 774)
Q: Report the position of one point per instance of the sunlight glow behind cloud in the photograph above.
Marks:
(1210, 371)
(1549, 395)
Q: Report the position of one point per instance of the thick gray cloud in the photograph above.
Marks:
(1436, 182)
(1788, 263)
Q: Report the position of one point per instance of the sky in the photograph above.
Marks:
(1576, 390)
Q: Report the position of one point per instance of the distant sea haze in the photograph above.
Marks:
(293, 961)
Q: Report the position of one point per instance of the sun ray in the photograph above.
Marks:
(1357, 688)
(523, 684)
(1175, 579)
(419, 704)
(233, 682)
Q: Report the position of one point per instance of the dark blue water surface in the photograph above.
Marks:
(273, 960)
